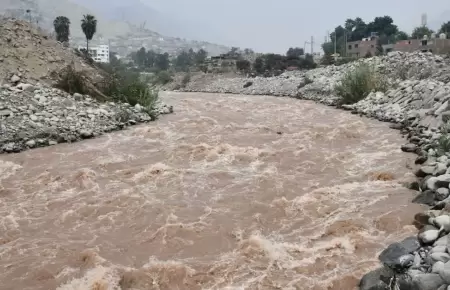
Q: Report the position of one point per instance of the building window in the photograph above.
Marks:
(424, 42)
(356, 45)
(372, 46)
(349, 46)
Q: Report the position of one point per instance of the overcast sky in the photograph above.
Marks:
(275, 25)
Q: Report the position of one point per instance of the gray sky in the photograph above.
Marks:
(269, 25)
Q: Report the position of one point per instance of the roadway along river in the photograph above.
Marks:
(229, 192)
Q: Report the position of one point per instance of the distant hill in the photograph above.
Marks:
(124, 36)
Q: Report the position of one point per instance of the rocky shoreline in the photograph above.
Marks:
(418, 105)
(36, 116)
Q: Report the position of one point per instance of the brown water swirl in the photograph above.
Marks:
(230, 192)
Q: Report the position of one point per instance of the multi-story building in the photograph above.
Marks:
(435, 45)
(98, 53)
(362, 47)
(367, 46)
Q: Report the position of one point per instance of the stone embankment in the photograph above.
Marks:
(36, 116)
(32, 113)
(418, 105)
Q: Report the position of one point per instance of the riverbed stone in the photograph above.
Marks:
(442, 193)
(428, 234)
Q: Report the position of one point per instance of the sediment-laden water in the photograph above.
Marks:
(230, 192)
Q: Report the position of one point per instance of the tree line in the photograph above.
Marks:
(384, 27)
(246, 61)
(61, 25)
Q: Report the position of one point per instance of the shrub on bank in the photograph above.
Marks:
(71, 81)
(186, 79)
(130, 88)
(357, 83)
(118, 85)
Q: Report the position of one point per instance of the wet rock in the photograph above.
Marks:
(425, 170)
(409, 147)
(375, 280)
(396, 257)
(421, 159)
(427, 197)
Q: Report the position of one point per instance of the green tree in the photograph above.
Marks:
(243, 65)
(327, 59)
(62, 28)
(383, 26)
(183, 61)
(295, 52)
(258, 65)
(401, 35)
(140, 57)
(379, 48)
(162, 61)
(89, 27)
(445, 28)
(200, 56)
(420, 32)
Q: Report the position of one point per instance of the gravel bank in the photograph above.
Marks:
(36, 116)
(418, 105)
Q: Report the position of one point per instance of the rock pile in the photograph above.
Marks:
(418, 105)
(35, 116)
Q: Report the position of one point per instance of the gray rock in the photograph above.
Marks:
(374, 280)
(86, 133)
(425, 170)
(442, 193)
(409, 147)
(438, 267)
(31, 143)
(428, 234)
(15, 79)
(445, 272)
(396, 257)
(442, 257)
(440, 169)
(78, 97)
(422, 281)
(5, 113)
(427, 197)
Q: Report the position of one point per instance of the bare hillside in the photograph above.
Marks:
(124, 37)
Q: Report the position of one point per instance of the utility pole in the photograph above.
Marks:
(312, 45)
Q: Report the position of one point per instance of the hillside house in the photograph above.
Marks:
(437, 45)
(362, 47)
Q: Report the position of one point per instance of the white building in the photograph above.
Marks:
(98, 53)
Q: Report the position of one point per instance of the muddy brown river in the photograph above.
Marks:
(229, 192)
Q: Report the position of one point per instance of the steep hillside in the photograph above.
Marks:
(28, 55)
(124, 37)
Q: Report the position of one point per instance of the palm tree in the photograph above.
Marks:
(89, 27)
(62, 28)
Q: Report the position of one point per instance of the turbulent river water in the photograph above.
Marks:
(229, 192)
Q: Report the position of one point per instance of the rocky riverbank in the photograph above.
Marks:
(417, 103)
(36, 116)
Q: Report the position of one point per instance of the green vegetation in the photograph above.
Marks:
(186, 79)
(89, 27)
(442, 145)
(356, 29)
(419, 32)
(71, 81)
(359, 82)
(62, 28)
